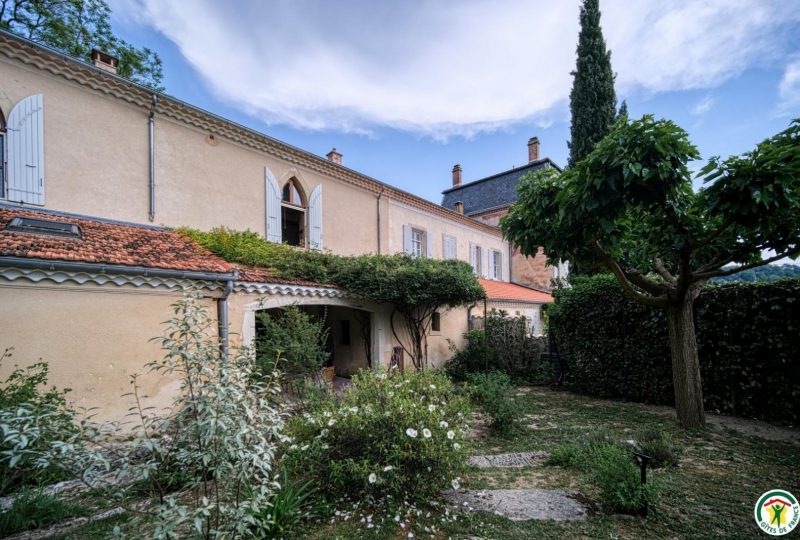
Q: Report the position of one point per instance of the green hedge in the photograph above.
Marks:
(748, 337)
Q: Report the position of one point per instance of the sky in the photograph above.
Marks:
(405, 90)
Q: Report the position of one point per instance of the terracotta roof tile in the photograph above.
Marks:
(500, 290)
(255, 274)
(108, 243)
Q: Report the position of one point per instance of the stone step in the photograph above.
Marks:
(521, 504)
(516, 459)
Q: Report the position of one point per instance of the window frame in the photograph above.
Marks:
(497, 257)
(436, 322)
(420, 243)
(454, 241)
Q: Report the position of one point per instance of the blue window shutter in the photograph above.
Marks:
(315, 218)
(429, 245)
(273, 207)
(407, 240)
(25, 133)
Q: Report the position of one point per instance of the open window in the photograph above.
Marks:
(293, 214)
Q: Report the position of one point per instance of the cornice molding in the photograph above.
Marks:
(86, 75)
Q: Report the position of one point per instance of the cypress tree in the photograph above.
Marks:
(592, 101)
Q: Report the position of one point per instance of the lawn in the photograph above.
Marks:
(709, 495)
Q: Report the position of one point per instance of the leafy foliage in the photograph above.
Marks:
(292, 339)
(748, 334)
(75, 27)
(292, 504)
(209, 460)
(34, 419)
(492, 391)
(660, 447)
(416, 287)
(592, 101)
(398, 434)
(476, 356)
(770, 272)
(631, 204)
(617, 475)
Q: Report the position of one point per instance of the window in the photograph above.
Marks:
(497, 265)
(436, 322)
(477, 260)
(449, 247)
(293, 214)
(44, 226)
(418, 247)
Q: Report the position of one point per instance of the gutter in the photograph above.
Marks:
(151, 214)
(378, 206)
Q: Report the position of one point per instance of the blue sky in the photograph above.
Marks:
(406, 90)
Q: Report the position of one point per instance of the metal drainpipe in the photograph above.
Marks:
(510, 264)
(222, 315)
(378, 206)
(152, 185)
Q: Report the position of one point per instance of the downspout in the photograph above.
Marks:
(152, 184)
(378, 207)
(510, 262)
(222, 315)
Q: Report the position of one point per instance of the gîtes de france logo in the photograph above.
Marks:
(777, 512)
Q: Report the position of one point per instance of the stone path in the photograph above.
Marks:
(518, 459)
(521, 504)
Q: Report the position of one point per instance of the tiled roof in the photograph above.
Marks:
(500, 290)
(490, 192)
(104, 242)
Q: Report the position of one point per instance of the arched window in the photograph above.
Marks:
(293, 214)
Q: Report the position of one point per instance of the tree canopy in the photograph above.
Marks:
(632, 204)
(592, 101)
(75, 27)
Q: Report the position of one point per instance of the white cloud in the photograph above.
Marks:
(703, 106)
(452, 67)
(789, 88)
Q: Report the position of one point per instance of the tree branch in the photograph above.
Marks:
(622, 278)
(721, 272)
(662, 271)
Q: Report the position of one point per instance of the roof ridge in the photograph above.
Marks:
(503, 173)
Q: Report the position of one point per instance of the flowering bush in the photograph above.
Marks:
(389, 434)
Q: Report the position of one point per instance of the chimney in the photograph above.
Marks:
(459, 207)
(533, 149)
(456, 174)
(105, 61)
(334, 157)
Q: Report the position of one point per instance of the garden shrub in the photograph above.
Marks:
(618, 477)
(209, 461)
(34, 421)
(389, 434)
(663, 451)
(295, 340)
(492, 391)
(476, 356)
(748, 336)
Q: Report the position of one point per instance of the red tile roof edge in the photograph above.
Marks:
(511, 292)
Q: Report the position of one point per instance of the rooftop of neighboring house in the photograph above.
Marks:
(104, 80)
(495, 191)
(511, 292)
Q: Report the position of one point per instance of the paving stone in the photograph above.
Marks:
(521, 504)
(517, 459)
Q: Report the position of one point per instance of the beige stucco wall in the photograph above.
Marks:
(97, 163)
(93, 338)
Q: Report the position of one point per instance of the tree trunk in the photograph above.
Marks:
(685, 364)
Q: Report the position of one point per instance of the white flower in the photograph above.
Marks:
(388, 468)
(427, 433)
(324, 433)
(433, 387)
(444, 424)
(373, 478)
(431, 408)
(450, 434)
(354, 409)
(293, 447)
(455, 483)
(326, 414)
(411, 432)
(331, 422)
(456, 445)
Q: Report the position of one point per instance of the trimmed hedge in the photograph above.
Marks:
(748, 338)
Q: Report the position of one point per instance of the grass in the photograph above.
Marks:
(33, 510)
(710, 494)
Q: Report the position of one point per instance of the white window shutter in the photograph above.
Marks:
(473, 256)
(407, 248)
(485, 265)
(491, 263)
(25, 133)
(428, 245)
(315, 218)
(273, 204)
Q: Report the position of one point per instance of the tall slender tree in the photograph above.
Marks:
(592, 101)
